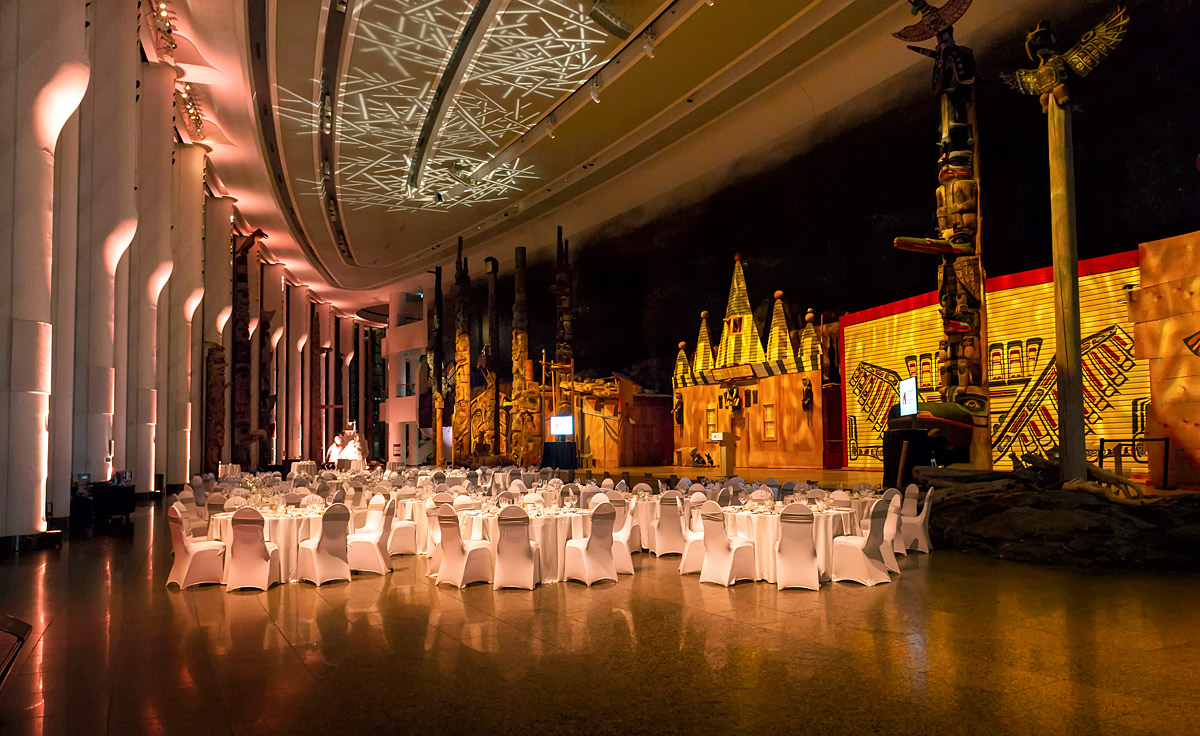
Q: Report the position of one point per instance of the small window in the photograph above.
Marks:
(710, 417)
(768, 412)
(735, 325)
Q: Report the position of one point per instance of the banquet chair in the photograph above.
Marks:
(891, 529)
(914, 531)
(253, 561)
(360, 496)
(725, 496)
(545, 473)
(912, 497)
(463, 502)
(373, 521)
(772, 484)
(607, 484)
(622, 486)
(216, 504)
(187, 497)
(518, 558)
(438, 477)
(463, 562)
(292, 499)
(668, 527)
(325, 558)
(367, 550)
(643, 488)
(235, 502)
(473, 477)
(795, 553)
(339, 496)
(311, 500)
(507, 496)
(402, 539)
(569, 492)
(693, 536)
(518, 487)
(196, 562)
(860, 559)
(726, 560)
(787, 489)
(683, 484)
(595, 498)
(192, 523)
(762, 494)
(839, 499)
(534, 498)
(897, 541)
(591, 559)
(862, 487)
(626, 533)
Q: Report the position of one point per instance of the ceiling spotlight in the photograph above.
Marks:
(594, 89)
(648, 44)
(550, 126)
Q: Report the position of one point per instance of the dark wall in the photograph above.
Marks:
(820, 226)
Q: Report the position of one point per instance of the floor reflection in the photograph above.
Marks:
(955, 645)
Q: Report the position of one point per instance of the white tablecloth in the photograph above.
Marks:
(286, 531)
(763, 530)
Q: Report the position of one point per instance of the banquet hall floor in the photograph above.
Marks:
(956, 645)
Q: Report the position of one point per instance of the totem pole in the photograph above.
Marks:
(564, 362)
(266, 399)
(524, 441)
(437, 360)
(1049, 82)
(963, 378)
(462, 360)
(487, 360)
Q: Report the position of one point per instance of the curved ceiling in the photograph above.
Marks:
(364, 136)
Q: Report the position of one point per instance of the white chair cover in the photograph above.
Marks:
(914, 531)
(591, 559)
(292, 499)
(462, 562)
(518, 558)
(668, 527)
(196, 562)
(726, 560)
(325, 558)
(253, 561)
(624, 539)
(367, 550)
(795, 552)
(860, 559)
(235, 502)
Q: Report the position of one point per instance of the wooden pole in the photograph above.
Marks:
(1067, 357)
(903, 460)
(439, 401)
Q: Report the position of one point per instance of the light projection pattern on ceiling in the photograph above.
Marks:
(537, 52)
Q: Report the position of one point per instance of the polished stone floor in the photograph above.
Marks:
(956, 645)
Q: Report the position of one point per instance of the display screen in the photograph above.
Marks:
(908, 397)
(560, 426)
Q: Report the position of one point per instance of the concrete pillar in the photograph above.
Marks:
(258, 449)
(297, 338)
(66, 210)
(120, 421)
(107, 221)
(152, 256)
(348, 350)
(44, 55)
(186, 292)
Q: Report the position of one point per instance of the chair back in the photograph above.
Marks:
(473, 477)
(188, 499)
(533, 497)
(385, 528)
(335, 527)
(507, 496)
(839, 496)
(912, 495)
(339, 496)
(311, 499)
(607, 484)
(796, 530)
(620, 506)
(604, 518)
(683, 484)
(889, 494)
(816, 494)
(249, 539)
(643, 488)
(595, 499)
(716, 538)
(924, 515)
(438, 477)
(762, 494)
(451, 539)
(235, 502)
(180, 543)
(442, 499)
(462, 501)
(695, 501)
(545, 473)
(787, 489)
(513, 523)
(725, 497)
(291, 499)
(215, 503)
(879, 517)
(518, 487)
(670, 509)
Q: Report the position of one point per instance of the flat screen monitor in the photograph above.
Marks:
(562, 426)
(908, 397)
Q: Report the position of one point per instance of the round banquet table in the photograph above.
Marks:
(763, 530)
(551, 532)
(287, 531)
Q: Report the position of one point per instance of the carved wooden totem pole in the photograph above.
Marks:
(488, 359)
(461, 421)
(963, 377)
(564, 360)
(214, 405)
(437, 360)
(1049, 82)
(525, 435)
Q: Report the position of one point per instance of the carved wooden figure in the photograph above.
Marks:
(461, 420)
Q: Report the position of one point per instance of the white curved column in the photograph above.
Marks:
(187, 290)
(152, 257)
(45, 77)
(107, 219)
(216, 310)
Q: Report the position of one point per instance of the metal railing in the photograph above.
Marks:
(1120, 443)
